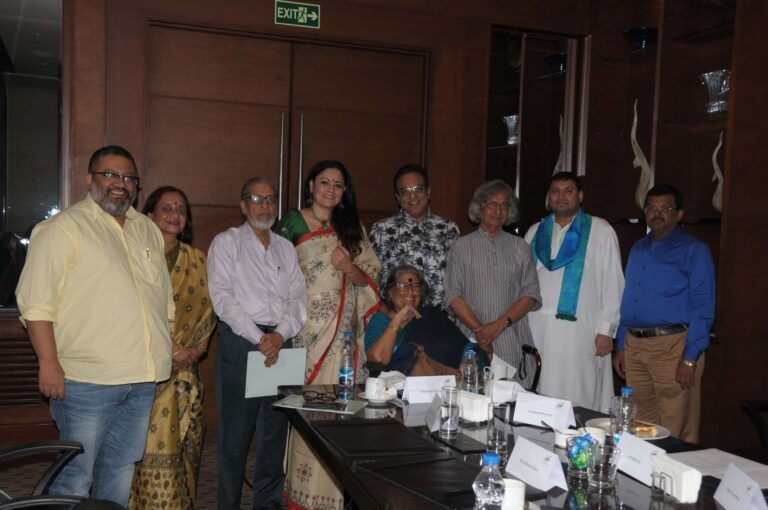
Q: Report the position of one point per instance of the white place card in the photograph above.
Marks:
(432, 417)
(636, 457)
(261, 381)
(421, 390)
(536, 466)
(737, 491)
(533, 409)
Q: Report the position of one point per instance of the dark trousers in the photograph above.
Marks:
(238, 418)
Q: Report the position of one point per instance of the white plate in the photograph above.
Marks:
(605, 424)
(379, 400)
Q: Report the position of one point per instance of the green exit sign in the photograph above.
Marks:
(297, 14)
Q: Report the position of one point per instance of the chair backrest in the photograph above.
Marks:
(755, 410)
(530, 350)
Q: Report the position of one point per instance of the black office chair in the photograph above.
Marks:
(39, 499)
(755, 409)
(530, 350)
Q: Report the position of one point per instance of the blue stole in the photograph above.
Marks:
(572, 252)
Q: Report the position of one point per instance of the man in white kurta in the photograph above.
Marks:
(576, 347)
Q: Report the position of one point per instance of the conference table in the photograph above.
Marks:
(382, 464)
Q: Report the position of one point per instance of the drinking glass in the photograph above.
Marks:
(449, 412)
(498, 430)
(602, 470)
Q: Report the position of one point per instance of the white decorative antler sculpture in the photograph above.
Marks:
(640, 162)
(717, 198)
(561, 157)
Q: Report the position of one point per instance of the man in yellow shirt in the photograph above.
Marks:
(96, 299)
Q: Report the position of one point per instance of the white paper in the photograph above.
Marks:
(421, 390)
(533, 409)
(737, 491)
(536, 466)
(713, 462)
(261, 381)
(635, 459)
(432, 417)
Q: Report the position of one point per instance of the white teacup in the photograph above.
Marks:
(514, 495)
(375, 388)
(561, 436)
(597, 433)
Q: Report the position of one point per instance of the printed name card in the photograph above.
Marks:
(636, 457)
(421, 390)
(533, 409)
(536, 466)
(432, 417)
(737, 491)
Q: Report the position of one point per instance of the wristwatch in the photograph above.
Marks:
(688, 362)
(509, 321)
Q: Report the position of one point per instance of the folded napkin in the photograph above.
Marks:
(680, 481)
(393, 379)
(474, 407)
(506, 391)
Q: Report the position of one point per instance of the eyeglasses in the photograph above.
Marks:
(314, 396)
(330, 183)
(665, 209)
(115, 177)
(403, 286)
(419, 189)
(496, 205)
(168, 209)
(260, 199)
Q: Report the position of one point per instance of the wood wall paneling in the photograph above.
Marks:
(743, 278)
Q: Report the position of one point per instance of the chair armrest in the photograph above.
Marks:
(66, 451)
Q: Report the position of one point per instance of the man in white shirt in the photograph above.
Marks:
(258, 292)
(579, 268)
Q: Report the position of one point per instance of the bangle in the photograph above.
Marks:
(688, 363)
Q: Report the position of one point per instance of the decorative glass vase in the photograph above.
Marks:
(718, 84)
(512, 129)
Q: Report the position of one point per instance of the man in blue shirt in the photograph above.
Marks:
(666, 314)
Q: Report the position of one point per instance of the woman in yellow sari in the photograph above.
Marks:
(167, 475)
(340, 268)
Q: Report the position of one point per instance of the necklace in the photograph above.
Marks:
(323, 223)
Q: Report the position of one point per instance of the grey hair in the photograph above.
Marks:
(254, 180)
(394, 275)
(484, 191)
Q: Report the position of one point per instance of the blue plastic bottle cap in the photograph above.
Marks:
(626, 390)
(470, 353)
(490, 459)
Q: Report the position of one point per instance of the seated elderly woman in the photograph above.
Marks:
(394, 331)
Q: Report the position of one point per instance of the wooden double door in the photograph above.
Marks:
(219, 107)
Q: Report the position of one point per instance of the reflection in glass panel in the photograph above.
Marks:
(530, 81)
(30, 115)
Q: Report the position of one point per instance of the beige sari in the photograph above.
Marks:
(166, 478)
(335, 305)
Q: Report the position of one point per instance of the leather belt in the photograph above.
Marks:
(266, 328)
(669, 329)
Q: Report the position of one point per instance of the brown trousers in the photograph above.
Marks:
(651, 367)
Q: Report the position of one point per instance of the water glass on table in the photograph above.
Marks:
(602, 471)
(498, 430)
(449, 412)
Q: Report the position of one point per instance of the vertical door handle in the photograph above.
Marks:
(301, 160)
(280, 175)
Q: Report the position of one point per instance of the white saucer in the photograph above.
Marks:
(372, 400)
(605, 424)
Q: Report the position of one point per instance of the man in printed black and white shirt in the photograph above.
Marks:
(414, 235)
